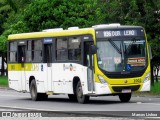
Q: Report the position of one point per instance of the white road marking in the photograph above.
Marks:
(139, 102)
(13, 96)
(37, 109)
(151, 103)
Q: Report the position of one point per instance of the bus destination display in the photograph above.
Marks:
(118, 33)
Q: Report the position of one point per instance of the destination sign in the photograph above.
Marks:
(22, 43)
(48, 40)
(118, 33)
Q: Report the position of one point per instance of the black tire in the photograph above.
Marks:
(72, 97)
(79, 93)
(33, 91)
(44, 96)
(125, 97)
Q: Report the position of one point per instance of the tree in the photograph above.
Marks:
(145, 13)
(18, 16)
(3, 50)
(4, 10)
(42, 14)
(36, 15)
(10, 22)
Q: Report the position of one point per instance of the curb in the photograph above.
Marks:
(146, 95)
(5, 88)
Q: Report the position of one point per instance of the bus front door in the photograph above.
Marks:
(90, 70)
(48, 60)
(21, 61)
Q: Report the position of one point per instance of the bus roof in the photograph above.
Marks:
(114, 26)
(68, 32)
(50, 34)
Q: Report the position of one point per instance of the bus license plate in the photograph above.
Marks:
(126, 91)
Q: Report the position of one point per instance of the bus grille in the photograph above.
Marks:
(119, 89)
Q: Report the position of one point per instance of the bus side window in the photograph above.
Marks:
(48, 53)
(21, 54)
(61, 49)
(86, 53)
(13, 51)
(74, 48)
(29, 51)
(36, 50)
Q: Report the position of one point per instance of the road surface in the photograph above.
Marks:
(105, 105)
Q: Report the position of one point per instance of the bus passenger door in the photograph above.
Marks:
(90, 71)
(48, 59)
(21, 61)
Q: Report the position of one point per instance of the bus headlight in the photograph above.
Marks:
(102, 80)
(147, 77)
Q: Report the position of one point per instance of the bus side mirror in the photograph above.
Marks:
(93, 49)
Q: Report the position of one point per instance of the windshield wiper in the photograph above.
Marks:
(115, 46)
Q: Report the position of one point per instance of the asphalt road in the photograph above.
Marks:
(12, 100)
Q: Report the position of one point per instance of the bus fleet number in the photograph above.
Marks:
(137, 80)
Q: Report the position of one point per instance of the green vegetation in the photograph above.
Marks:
(156, 88)
(155, 91)
(19, 16)
(3, 81)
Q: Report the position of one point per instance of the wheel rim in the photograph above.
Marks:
(33, 91)
(80, 94)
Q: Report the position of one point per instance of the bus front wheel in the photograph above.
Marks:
(125, 97)
(79, 92)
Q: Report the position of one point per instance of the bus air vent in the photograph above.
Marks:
(115, 24)
(106, 25)
(73, 28)
(53, 30)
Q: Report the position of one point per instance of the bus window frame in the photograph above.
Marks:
(90, 39)
(54, 48)
(34, 39)
(25, 40)
(66, 37)
(8, 52)
(69, 61)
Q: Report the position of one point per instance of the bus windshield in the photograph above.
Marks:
(118, 55)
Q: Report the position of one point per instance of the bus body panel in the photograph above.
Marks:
(62, 82)
(63, 76)
(14, 80)
(62, 79)
(102, 89)
(146, 86)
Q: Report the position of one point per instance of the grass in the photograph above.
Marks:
(3, 81)
(156, 88)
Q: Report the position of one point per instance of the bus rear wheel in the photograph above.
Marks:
(125, 97)
(34, 94)
(79, 92)
(44, 96)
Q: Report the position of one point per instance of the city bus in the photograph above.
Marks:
(106, 59)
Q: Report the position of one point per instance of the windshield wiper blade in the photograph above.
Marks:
(115, 46)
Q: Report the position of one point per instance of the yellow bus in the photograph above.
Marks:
(107, 59)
